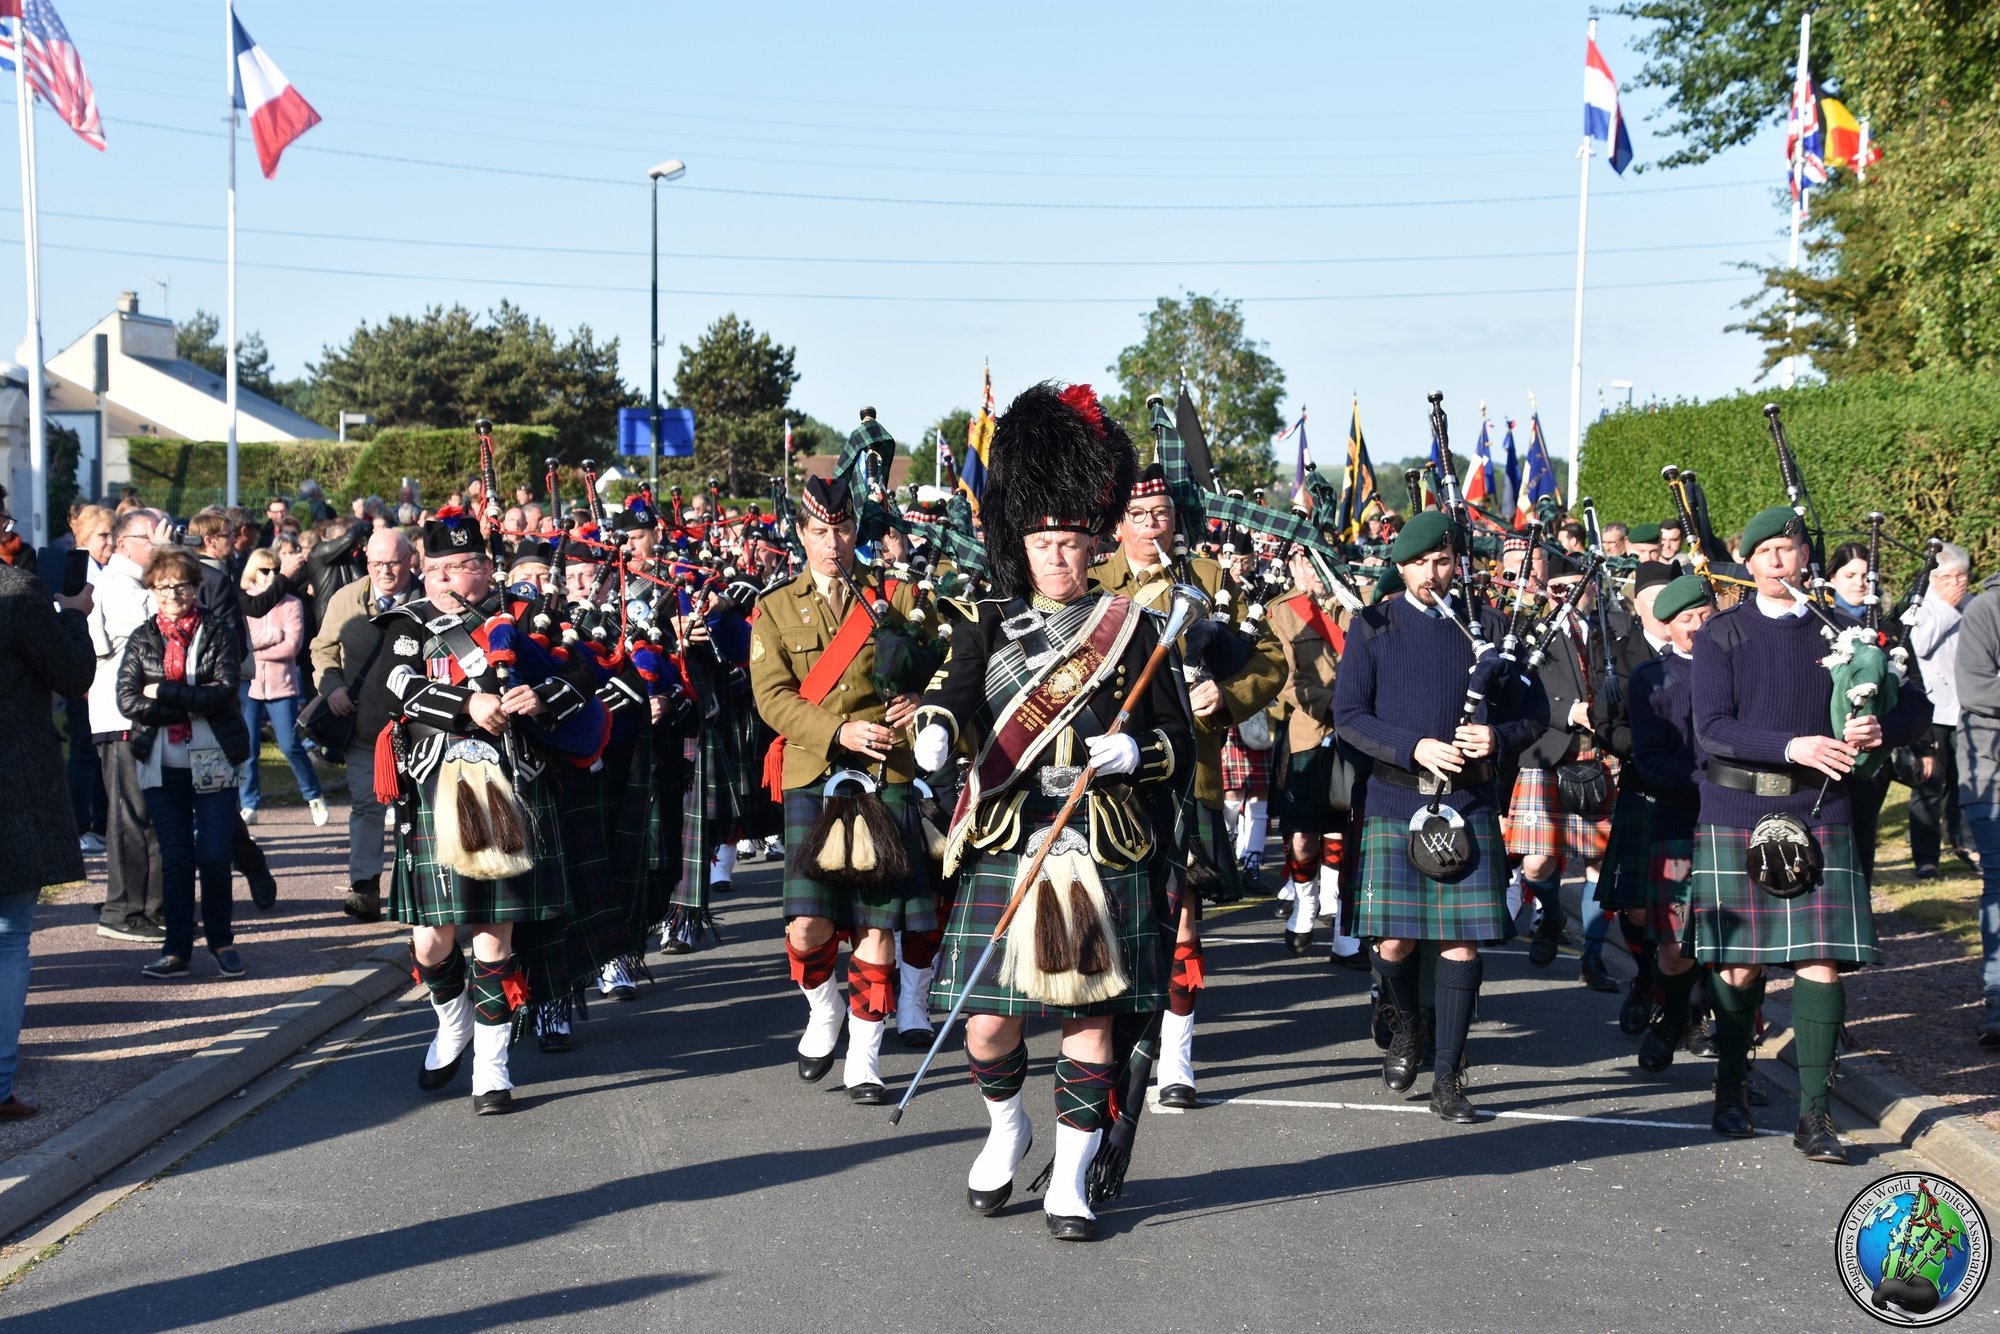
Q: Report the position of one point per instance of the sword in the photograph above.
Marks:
(1188, 603)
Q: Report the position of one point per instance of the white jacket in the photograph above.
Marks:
(121, 605)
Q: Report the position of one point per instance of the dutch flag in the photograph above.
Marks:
(1601, 116)
(278, 114)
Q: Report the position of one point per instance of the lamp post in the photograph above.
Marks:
(670, 170)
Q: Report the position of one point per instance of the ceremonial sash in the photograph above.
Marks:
(825, 675)
(1046, 702)
(1315, 616)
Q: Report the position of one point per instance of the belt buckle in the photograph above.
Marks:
(1773, 785)
(1430, 785)
(1059, 780)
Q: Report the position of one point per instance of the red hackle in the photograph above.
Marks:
(1082, 400)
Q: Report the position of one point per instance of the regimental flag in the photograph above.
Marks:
(278, 114)
(1510, 476)
(1301, 493)
(1357, 488)
(1540, 478)
(978, 439)
(55, 69)
(1479, 488)
(1602, 119)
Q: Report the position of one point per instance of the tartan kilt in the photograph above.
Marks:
(425, 893)
(986, 882)
(910, 905)
(1301, 801)
(1538, 826)
(1243, 769)
(1735, 922)
(708, 817)
(1671, 876)
(1395, 901)
(1625, 880)
(557, 954)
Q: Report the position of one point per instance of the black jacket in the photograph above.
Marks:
(220, 601)
(208, 692)
(1614, 725)
(44, 653)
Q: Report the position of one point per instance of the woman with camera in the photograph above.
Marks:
(178, 686)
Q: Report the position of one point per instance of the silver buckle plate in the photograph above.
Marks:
(1430, 785)
(1774, 785)
(1059, 780)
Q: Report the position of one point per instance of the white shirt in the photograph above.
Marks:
(121, 605)
(1442, 607)
(1777, 610)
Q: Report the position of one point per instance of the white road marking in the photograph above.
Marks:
(1423, 1109)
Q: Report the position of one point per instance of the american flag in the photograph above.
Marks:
(55, 70)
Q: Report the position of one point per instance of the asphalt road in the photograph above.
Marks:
(672, 1171)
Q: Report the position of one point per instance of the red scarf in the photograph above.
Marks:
(178, 634)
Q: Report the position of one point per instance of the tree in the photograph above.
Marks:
(446, 368)
(738, 381)
(1235, 384)
(1901, 272)
(199, 340)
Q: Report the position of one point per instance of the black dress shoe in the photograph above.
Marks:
(1284, 909)
(1399, 1063)
(1593, 974)
(1817, 1139)
(1448, 1100)
(264, 891)
(916, 1039)
(1732, 1115)
(1657, 1048)
(430, 1081)
(1071, 1229)
(554, 1039)
(1299, 942)
(987, 1203)
(868, 1095)
(1700, 1042)
(1180, 1096)
(812, 1069)
(497, 1103)
(1637, 1012)
(1357, 961)
(1542, 949)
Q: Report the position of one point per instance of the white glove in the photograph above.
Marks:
(933, 747)
(1111, 755)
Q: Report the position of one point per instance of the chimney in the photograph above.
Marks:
(128, 302)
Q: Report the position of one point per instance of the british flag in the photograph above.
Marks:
(55, 70)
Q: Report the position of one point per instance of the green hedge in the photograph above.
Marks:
(181, 476)
(1923, 450)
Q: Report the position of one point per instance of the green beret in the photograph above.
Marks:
(1423, 534)
(1690, 590)
(1777, 521)
(1387, 586)
(1645, 534)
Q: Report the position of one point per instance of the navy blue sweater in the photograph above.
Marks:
(1758, 684)
(1402, 678)
(1664, 762)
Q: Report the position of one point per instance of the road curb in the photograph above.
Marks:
(1967, 1152)
(39, 1179)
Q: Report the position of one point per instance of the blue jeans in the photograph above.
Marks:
(1983, 820)
(283, 713)
(17, 919)
(194, 829)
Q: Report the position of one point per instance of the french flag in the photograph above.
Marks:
(278, 114)
(1601, 116)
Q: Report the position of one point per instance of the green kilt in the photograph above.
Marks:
(985, 884)
(908, 905)
(1735, 922)
(560, 953)
(1672, 861)
(423, 892)
(1395, 901)
(1301, 799)
(1625, 880)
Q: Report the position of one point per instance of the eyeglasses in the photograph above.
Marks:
(1162, 515)
(401, 564)
(463, 567)
(178, 590)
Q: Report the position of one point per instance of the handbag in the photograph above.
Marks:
(318, 723)
(210, 769)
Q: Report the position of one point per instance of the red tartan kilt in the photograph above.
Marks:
(1244, 769)
(1538, 826)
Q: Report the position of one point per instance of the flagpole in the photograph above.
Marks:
(229, 337)
(1798, 196)
(1584, 155)
(31, 238)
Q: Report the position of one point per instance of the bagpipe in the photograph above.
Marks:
(1725, 580)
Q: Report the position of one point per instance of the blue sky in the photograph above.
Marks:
(1391, 191)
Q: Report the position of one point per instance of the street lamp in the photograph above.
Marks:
(670, 170)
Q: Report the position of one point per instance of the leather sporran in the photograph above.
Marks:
(1440, 845)
(1583, 786)
(1783, 857)
(1343, 778)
